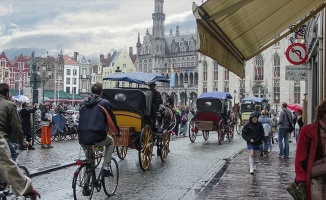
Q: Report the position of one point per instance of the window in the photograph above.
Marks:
(68, 72)
(259, 68)
(20, 66)
(67, 80)
(276, 91)
(205, 70)
(297, 92)
(226, 74)
(276, 66)
(226, 86)
(68, 90)
(215, 71)
(75, 81)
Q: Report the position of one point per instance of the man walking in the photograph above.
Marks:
(10, 124)
(285, 120)
(95, 121)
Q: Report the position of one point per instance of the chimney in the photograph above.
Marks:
(109, 57)
(130, 52)
(75, 55)
(177, 33)
(171, 32)
(101, 57)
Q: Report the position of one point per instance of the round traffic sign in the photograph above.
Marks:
(296, 53)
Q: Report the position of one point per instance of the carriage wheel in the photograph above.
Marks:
(221, 131)
(73, 133)
(60, 136)
(122, 151)
(146, 145)
(192, 129)
(205, 134)
(231, 132)
(165, 146)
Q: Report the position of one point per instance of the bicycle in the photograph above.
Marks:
(85, 179)
(5, 191)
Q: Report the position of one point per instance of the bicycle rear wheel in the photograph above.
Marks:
(110, 184)
(82, 183)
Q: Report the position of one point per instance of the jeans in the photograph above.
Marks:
(264, 146)
(296, 131)
(109, 146)
(13, 152)
(283, 134)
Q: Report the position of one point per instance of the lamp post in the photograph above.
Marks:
(118, 70)
(185, 84)
(276, 101)
(234, 94)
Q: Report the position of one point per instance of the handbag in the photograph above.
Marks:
(297, 190)
(291, 128)
(319, 167)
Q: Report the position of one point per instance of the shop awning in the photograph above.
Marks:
(234, 31)
(54, 95)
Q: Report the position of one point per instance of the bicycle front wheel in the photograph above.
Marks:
(82, 183)
(110, 184)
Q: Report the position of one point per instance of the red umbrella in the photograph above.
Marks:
(295, 107)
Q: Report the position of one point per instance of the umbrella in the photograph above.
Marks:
(21, 98)
(294, 107)
(138, 77)
(58, 124)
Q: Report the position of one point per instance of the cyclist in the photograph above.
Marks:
(9, 124)
(95, 121)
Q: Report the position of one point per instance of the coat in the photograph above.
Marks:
(25, 115)
(304, 159)
(253, 131)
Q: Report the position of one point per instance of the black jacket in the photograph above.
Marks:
(93, 125)
(25, 115)
(253, 131)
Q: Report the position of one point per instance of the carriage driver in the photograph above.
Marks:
(95, 120)
(156, 101)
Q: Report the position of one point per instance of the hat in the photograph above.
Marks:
(151, 84)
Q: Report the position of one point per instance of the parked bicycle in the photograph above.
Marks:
(86, 181)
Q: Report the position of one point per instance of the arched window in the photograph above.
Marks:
(259, 68)
(276, 66)
(215, 71)
(205, 70)
(226, 74)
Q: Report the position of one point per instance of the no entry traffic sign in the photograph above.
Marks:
(296, 53)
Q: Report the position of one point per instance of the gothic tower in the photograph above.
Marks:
(158, 45)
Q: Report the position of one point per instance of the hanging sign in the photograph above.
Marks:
(296, 53)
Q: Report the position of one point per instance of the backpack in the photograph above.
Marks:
(267, 128)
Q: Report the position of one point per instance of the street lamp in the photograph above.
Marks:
(185, 84)
(234, 94)
(276, 101)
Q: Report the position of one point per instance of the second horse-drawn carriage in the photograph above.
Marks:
(248, 106)
(142, 125)
(213, 114)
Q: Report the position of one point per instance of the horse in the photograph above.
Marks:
(167, 120)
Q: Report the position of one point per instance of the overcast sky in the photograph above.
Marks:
(89, 27)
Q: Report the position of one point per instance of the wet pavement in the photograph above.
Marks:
(199, 170)
(270, 180)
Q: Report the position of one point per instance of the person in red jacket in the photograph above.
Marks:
(311, 148)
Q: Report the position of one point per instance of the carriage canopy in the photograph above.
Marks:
(136, 100)
(212, 101)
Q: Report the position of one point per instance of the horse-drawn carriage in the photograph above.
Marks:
(142, 126)
(213, 114)
(248, 106)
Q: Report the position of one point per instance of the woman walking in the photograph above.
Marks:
(253, 134)
(311, 149)
(46, 118)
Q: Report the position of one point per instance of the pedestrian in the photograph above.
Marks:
(10, 124)
(294, 121)
(285, 120)
(298, 125)
(310, 153)
(184, 120)
(267, 126)
(25, 115)
(275, 125)
(46, 118)
(257, 110)
(96, 120)
(253, 134)
(178, 121)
